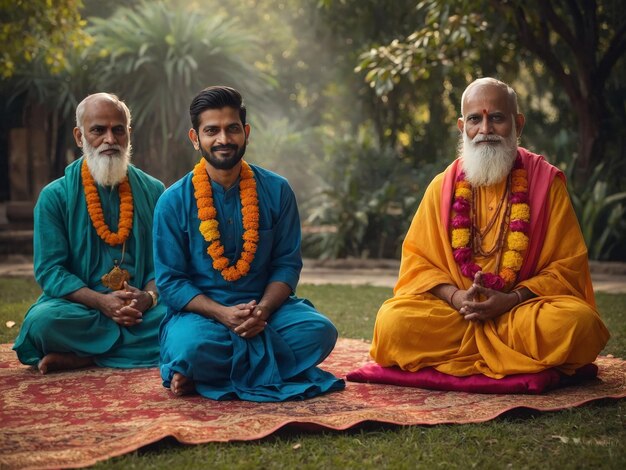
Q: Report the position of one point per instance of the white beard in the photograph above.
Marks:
(488, 164)
(106, 170)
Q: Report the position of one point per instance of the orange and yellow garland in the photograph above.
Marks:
(94, 207)
(517, 238)
(209, 226)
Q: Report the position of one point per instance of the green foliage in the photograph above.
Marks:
(602, 216)
(39, 29)
(60, 93)
(291, 151)
(366, 200)
(578, 43)
(158, 57)
(295, 63)
(445, 39)
(560, 56)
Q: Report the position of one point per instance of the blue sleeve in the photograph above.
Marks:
(286, 255)
(171, 253)
(51, 246)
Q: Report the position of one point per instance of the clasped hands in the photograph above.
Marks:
(246, 320)
(479, 303)
(125, 306)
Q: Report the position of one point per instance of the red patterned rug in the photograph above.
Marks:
(74, 419)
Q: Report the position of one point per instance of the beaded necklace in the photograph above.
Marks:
(464, 232)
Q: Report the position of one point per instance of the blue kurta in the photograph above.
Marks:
(279, 363)
(69, 255)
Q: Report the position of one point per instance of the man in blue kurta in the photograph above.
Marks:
(93, 254)
(227, 261)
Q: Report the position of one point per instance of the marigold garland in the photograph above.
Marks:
(517, 237)
(94, 207)
(209, 226)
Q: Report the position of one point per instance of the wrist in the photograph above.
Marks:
(154, 299)
(99, 301)
(265, 308)
(517, 295)
(451, 298)
(219, 313)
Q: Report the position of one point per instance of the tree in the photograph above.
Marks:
(578, 41)
(157, 56)
(33, 29)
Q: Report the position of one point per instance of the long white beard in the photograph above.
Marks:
(487, 164)
(107, 170)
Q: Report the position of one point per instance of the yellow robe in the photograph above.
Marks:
(558, 328)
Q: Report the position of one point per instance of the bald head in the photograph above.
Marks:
(478, 86)
(98, 98)
(489, 106)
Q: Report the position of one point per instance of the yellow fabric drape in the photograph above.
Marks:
(559, 328)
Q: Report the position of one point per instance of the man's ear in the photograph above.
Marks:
(520, 120)
(78, 136)
(193, 136)
(460, 123)
(246, 129)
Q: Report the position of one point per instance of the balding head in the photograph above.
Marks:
(100, 97)
(476, 85)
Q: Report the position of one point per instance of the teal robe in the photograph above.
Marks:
(69, 255)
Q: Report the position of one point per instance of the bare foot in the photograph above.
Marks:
(62, 361)
(181, 385)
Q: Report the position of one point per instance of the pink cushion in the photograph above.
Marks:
(434, 380)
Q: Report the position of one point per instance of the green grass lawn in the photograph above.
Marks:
(590, 436)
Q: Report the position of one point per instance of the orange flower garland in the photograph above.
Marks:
(209, 226)
(94, 207)
(517, 238)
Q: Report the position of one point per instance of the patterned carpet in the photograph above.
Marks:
(74, 419)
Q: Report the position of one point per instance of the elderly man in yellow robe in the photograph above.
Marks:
(494, 277)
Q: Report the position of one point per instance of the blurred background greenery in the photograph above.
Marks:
(354, 101)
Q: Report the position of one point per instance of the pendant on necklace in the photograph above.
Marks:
(115, 278)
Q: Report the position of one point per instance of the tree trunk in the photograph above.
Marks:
(590, 111)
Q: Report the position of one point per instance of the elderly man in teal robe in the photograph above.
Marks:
(227, 260)
(93, 254)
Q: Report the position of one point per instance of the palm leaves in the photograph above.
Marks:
(600, 214)
(157, 58)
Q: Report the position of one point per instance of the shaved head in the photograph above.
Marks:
(489, 82)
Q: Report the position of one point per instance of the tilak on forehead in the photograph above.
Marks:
(485, 113)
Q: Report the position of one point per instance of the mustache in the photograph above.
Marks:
(105, 147)
(217, 148)
(487, 138)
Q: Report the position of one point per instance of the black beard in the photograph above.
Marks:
(221, 163)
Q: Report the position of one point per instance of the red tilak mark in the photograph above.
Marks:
(485, 112)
